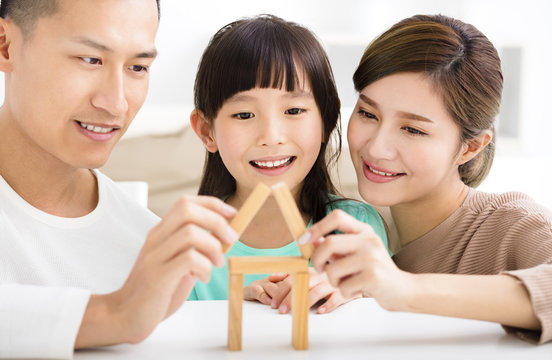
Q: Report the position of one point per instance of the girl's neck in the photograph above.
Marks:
(268, 229)
(409, 221)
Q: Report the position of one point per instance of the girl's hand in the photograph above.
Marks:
(319, 289)
(265, 290)
(356, 261)
(275, 290)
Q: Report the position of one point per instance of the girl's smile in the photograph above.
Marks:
(273, 166)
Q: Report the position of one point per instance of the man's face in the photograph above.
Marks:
(77, 83)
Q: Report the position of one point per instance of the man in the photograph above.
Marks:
(74, 268)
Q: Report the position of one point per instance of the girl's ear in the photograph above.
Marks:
(5, 42)
(474, 147)
(202, 128)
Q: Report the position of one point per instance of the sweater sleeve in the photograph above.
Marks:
(40, 322)
(538, 282)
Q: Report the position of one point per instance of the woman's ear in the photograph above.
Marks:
(474, 147)
(5, 42)
(202, 128)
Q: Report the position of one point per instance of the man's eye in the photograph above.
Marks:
(294, 111)
(139, 68)
(244, 115)
(92, 61)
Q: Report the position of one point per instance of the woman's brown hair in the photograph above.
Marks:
(266, 51)
(463, 66)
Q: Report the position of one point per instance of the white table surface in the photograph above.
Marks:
(358, 330)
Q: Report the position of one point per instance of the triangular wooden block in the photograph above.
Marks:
(287, 205)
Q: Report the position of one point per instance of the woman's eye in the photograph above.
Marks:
(414, 131)
(294, 111)
(367, 114)
(92, 60)
(244, 115)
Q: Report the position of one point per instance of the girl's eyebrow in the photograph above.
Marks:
(298, 94)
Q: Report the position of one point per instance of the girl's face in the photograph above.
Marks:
(404, 144)
(268, 135)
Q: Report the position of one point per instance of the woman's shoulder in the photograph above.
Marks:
(509, 203)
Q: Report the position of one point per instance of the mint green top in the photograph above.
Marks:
(217, 287)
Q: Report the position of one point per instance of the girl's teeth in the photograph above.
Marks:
(271, 164)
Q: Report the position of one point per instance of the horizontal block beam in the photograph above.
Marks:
(267, 264)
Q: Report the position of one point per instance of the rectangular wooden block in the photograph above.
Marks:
(266, 264)
(235, 302)
(293, 217)
(248, 210)
(300, 311)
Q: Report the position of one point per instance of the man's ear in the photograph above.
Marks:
(474, 147)
(202, 128)
(5, 42)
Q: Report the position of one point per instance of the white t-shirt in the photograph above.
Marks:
(50, 265)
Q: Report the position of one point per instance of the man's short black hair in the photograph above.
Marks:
(25, 13)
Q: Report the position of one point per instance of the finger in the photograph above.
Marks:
(335, 220)
(206, 212)
(264, 298)
(285, 305)
(352, 286)
(319, 292)
(191, 236)
(276, 277)
(332, 302)
(190, 262)
(282, 290)
(335, 245)
(345, 267)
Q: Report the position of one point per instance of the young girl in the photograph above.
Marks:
(266, 109)
(422, 138)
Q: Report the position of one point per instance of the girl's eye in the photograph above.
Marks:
(244, 115)
(367, 114)
(92, 60)
(414, 131)
(139, 68)
(294, 111)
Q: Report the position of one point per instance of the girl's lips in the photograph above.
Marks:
(380, 175)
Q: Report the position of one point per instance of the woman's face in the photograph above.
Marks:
(404, 144)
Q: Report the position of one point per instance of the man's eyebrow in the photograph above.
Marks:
(99, 46)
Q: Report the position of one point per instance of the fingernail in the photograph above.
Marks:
(231, 235)
(283, 309)
(273, 304)
(321, 310)
(303, 239)
(229, 210)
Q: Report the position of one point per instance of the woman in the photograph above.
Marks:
(422, 138)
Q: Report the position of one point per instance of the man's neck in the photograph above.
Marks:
(43, 180)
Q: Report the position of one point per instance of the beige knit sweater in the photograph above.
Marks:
(491, 234)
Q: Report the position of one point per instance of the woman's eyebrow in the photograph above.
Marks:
(411, 116)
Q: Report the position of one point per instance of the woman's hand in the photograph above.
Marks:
(356, 260)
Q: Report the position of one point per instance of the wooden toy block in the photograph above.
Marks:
(248, 211)
(297, 267)
(266, 264)
(235, 300)
(292, 216)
